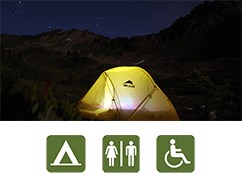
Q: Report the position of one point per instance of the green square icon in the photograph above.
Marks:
(121, 153)
(175, 153)
(65, 153)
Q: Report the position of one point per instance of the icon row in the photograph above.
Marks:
(121, 153)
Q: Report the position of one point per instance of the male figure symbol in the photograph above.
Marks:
(120, 153)
(131, 152)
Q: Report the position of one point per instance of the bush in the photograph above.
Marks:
(221, 99)
(47, 107)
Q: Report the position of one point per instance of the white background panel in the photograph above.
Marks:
(218, 158)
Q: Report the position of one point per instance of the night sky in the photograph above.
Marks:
(109, 18)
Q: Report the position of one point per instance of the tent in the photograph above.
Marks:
(126, 93)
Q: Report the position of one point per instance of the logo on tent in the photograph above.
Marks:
(129, 84)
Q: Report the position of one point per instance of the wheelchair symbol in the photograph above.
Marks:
(175, 153)
(170, 165)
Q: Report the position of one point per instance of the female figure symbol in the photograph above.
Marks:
(111, 152)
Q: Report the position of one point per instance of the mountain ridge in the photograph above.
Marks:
(202, 46)
(210, 30)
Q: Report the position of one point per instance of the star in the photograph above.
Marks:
(17, 10)
(101, 17)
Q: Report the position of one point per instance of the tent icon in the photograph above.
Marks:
(65, 153)
(66, 149)
(111, 99)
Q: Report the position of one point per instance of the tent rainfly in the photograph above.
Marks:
(126, 93)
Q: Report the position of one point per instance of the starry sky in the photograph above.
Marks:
(109, 18)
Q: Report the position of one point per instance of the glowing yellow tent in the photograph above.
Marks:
(126, 93)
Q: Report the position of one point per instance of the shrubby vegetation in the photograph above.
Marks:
(46, 107)
(221, 100)
(29, 99)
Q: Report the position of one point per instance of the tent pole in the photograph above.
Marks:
(114, 91)
(148, 96)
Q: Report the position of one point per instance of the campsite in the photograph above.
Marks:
(126, 93)
(194, 64)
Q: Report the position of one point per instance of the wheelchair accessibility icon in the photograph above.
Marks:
(175, 153)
